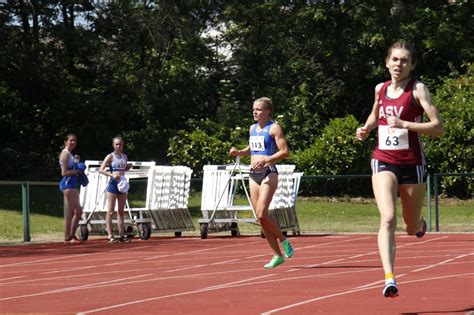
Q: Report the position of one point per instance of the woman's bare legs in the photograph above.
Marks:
(385, 186)
(121, 199)
(73, 212)
(412, 197)
(110, 213)
(261, 197)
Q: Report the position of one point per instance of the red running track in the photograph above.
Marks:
(332, 274)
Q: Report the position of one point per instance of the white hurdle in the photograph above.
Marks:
(283, 205)
(219, 189)
(166, 200)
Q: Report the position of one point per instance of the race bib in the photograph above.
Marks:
(391, 138)
(257, 143)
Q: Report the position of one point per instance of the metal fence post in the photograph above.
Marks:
(428, 197)
(25, 200)
(436, 201)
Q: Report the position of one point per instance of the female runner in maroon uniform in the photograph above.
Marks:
(398, 161)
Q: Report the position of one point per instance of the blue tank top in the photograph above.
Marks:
(70, 161)
(261, 142)
(119, 163)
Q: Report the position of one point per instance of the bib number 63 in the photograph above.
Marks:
(393, 138)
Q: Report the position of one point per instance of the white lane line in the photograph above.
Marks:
(276, 310)
(26, 263)
(75, 288)
(225, 285)
(237, 259)
(69, 256)
(378, 282)
(199, 250)
(222, 286)
(336, 260)
(120, 263)
(68, 270)
(402, 275)
(216, 263)
(442, 262)
(11, 278)
(361, 255)
(207, 274)
(332, 243)
(185, 268)
(216, 287)
(88, 267)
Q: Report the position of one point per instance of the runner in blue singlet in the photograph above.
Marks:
(70, 189)
(267, 145)
(117, 163)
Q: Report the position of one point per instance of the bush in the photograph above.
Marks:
(336, 152)
(453, 152)
(208, 143)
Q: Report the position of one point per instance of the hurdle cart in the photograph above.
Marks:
(165, 207)
(221, 183)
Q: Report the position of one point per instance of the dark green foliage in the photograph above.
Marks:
(336, 151)
(453, 152)
(207, 143)
(146, 71)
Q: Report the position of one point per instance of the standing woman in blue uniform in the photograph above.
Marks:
(267, 146)
(117, 163)
(69, 185)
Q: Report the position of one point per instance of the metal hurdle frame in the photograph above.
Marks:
(219, 189)
(94, 202)
(167, 201)
(283, 205)
(166, 205)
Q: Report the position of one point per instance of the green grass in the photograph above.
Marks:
(315, 215)
(42, 227)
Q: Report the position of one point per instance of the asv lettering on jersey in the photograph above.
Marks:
(257, 143)
(390, 111)
(391, 138)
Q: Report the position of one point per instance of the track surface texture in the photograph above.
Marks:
(328, 274)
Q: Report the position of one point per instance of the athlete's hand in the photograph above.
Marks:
(362, 133)
(395, 122)
(233, 152)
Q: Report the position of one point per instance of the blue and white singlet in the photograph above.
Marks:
(261, 142)
(119, 163)
(70, 161)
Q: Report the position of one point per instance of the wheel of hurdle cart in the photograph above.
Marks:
(234, 230)
(204, 230)
(83, 232)
(144, 231)
(220, 184)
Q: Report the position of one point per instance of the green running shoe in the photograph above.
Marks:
(276, 260)
(287, 248)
